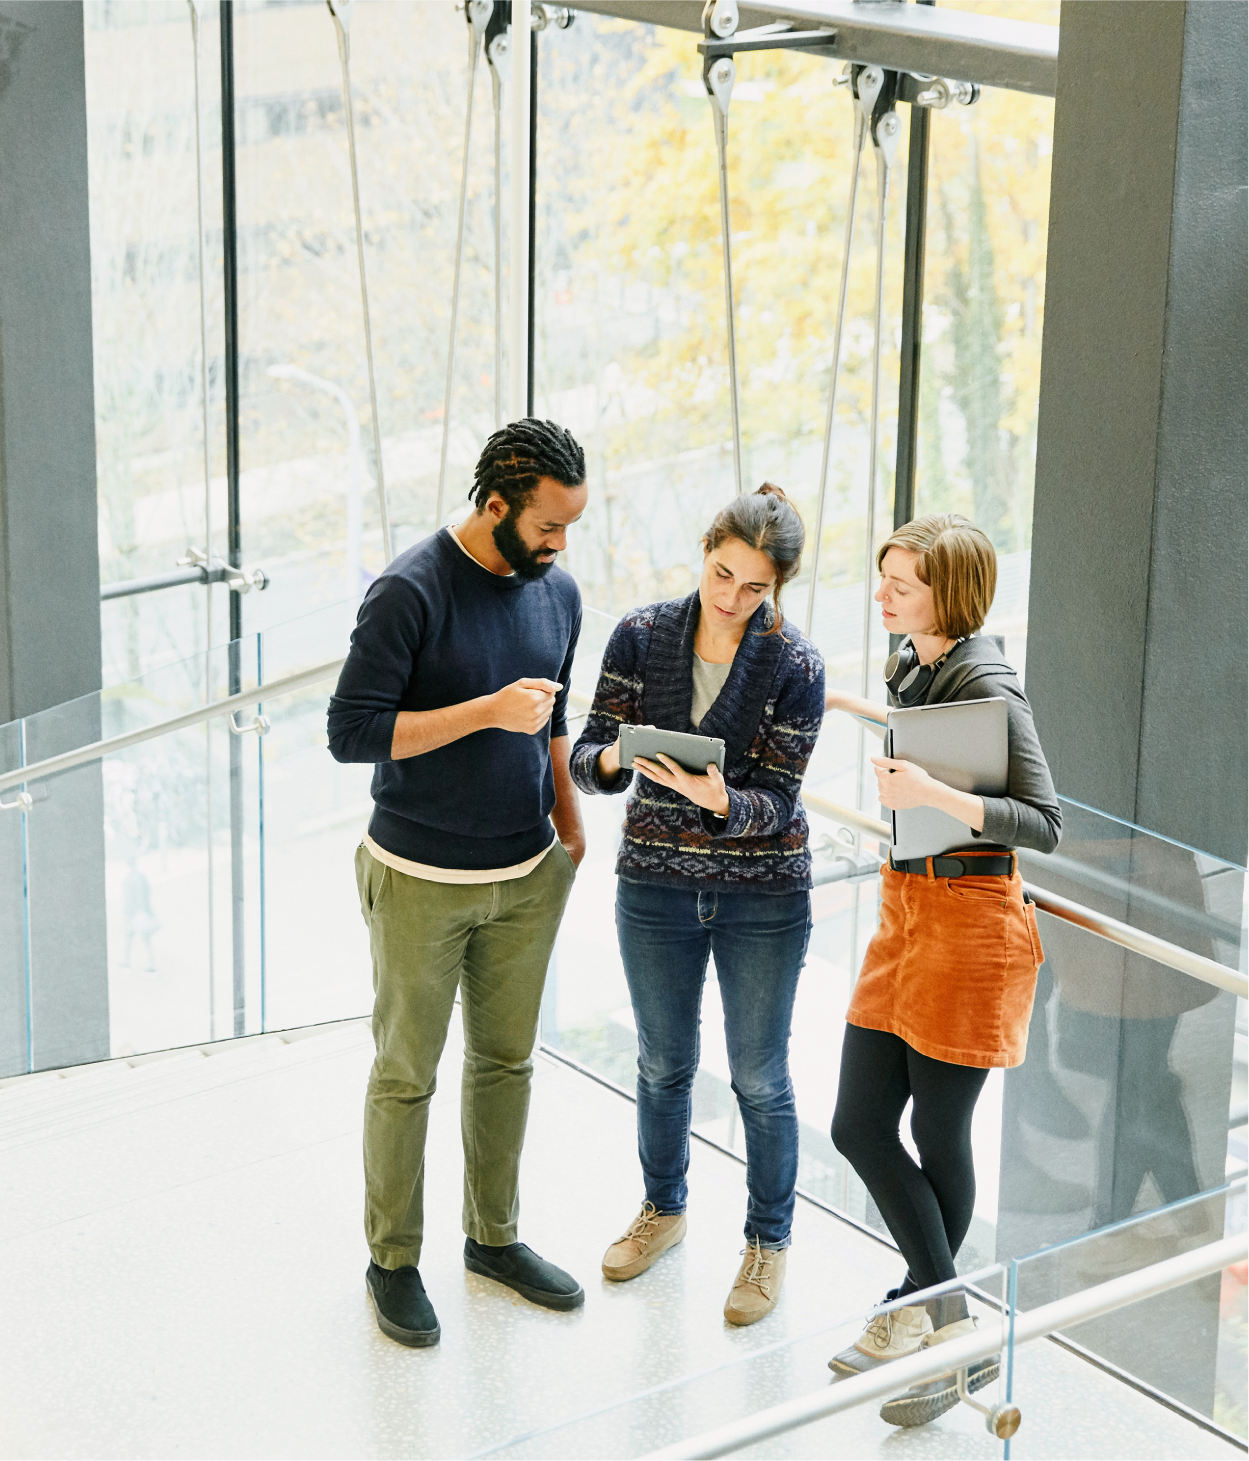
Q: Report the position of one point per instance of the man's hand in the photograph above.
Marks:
(524, 706)
(708, 792)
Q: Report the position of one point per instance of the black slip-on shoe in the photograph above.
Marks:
(520, 1269)
(402, 1306)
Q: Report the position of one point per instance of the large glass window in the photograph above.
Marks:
(631, 354)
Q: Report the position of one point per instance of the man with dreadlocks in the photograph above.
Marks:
(456, 687)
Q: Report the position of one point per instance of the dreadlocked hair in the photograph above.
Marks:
(767, 521)
(515, 458)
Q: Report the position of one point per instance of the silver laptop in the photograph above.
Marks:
(963, 744)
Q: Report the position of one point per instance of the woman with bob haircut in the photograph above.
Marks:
(714, 865)
(945, 991)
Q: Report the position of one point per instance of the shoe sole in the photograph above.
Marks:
(413, 1338)
(543, 1297)
(920, 1409)
(635, 1269)
(739, 1320)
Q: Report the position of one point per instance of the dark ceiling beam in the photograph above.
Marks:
(957, 44)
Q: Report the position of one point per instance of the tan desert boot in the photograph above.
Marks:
(757, 1286)
(647, 1236)
(887, 1337)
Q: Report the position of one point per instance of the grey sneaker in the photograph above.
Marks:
(922, 1403)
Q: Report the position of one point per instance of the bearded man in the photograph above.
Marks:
(470, 853)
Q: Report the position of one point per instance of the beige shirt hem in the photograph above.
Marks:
(456, 874)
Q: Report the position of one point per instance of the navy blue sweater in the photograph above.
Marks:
(437, 629)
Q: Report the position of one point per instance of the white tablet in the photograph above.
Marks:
(693, 753)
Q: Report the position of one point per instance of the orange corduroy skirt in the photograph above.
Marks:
(952, 968)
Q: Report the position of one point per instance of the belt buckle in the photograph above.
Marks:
(939, 864)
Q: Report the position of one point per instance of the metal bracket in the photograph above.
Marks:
(938, 93)
(885, 136)
(496, 54)
(341, 12)
(867, 86)
(560, 16)
(24, 800)
(237, 580)
(261, 724)
(768, 38)
(849, 862)
(477, 13)
(718, 78)
(719, 18)
(1001, 1421)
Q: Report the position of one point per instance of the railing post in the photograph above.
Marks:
(234, 544)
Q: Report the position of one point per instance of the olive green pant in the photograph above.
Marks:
(492, 941)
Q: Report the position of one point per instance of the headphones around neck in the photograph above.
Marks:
(906, 678)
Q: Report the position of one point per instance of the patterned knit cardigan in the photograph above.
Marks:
(768, 713)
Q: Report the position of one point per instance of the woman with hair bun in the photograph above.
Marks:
(714, 865)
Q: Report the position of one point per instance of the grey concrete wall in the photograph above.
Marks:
(49, 554)
(1137, 621)
(1137, 645)
(1191, 778)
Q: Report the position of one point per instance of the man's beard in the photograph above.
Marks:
(518, 556)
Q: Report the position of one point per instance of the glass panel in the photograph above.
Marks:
(1188, 1342)
(769, 1372)
(984, 306)
(140, 81)
(1161, 887)
(1122, 1105)
(14, 914)
(317, 961)
(137, 939)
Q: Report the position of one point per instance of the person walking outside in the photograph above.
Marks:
(714, 865)
(946, 988)
(462, 876)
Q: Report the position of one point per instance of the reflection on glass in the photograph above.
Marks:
(1188, 1342)
(182, 915)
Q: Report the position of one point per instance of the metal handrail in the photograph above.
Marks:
(957, 1354)
(1162, 952)
(1123, 934)
(96, 750)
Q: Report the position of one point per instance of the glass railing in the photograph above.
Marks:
(1044, 1395)
(198, 885)
(190, 887)
(1187, 1343)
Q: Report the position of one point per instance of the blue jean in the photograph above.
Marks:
(759, 941)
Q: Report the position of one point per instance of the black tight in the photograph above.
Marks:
(928, 1207)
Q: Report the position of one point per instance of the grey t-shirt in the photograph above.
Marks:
(708, 682)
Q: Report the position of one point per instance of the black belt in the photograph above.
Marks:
(956, 867)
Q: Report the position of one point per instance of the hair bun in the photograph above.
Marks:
(770, 489)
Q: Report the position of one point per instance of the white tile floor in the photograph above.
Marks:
(182, 1270)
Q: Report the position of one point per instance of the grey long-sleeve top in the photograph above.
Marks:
(1029, 814)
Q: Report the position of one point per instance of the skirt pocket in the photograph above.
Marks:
(1034, 934)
